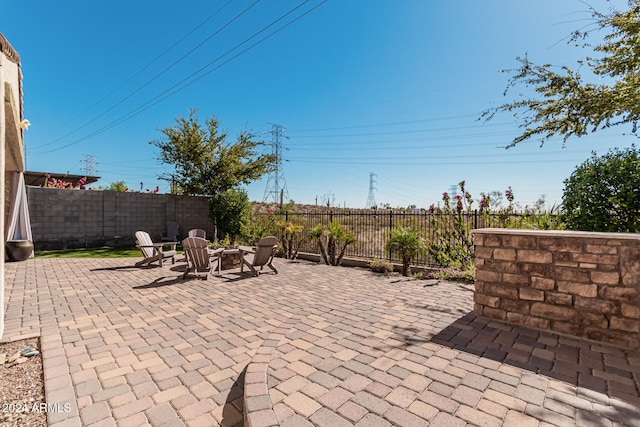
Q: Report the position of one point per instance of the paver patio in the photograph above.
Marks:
(313, 345)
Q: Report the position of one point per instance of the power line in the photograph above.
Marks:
(175, 89)
(386, 124)
(143, 69)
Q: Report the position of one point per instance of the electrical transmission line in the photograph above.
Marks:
(194, 77)
(276, 189)
(371, 199)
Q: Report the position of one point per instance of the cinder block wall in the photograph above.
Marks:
(577, 283)
(63, 219)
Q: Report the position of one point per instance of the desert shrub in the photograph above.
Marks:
(452, 274)
(381, 266)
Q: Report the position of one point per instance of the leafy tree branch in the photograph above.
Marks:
(563, 103)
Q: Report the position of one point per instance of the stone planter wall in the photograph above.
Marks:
(578, 283)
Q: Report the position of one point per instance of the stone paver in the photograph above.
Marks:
(325, 345)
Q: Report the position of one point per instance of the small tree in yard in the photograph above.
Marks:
(290, 238)
(332, 242)
(231, 212)
(602, 193)
(408, 244)
(205, 162)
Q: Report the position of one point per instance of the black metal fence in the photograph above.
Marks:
(371, 228)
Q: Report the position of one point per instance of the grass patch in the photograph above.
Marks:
(102, 252)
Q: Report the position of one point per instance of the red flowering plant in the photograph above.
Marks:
(51, 182)
(452, 244)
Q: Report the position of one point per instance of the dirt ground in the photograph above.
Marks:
(21, 386)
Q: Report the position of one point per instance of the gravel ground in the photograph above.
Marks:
(22, 387)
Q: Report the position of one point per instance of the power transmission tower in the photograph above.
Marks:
(371, 199)
(276, 189)
(89, 165)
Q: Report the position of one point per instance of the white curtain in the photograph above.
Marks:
(19, 225)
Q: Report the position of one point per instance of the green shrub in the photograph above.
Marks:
(408, 244)
(231, 212)
(602, 193)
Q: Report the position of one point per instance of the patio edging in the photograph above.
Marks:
(258, 407)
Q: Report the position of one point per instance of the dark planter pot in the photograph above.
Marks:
(19, 250)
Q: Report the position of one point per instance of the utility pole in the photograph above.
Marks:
(371, 199)
(276, 184)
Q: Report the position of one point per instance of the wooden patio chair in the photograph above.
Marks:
(263, 256)
(198, 232)
(173, 229)
(154, 251)
(199, 257)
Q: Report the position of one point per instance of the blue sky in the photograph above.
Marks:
(390, 87)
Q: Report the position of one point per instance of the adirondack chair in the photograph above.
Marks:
(154, 251)
(198, 232)
(171, 235)
(263, 255)
(199, 257)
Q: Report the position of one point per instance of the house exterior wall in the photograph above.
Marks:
(11, 142)
(578, 283)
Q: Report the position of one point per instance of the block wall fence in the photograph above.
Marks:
(62, 218)
(578, 283)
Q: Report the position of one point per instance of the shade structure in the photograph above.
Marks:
(19, 225)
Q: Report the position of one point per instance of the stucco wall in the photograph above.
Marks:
(577, 283)
(11, 143)
(82, 218)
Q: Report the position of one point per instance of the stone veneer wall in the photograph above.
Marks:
(578, 283)
(63, 219)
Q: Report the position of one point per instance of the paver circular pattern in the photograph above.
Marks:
(313, 345)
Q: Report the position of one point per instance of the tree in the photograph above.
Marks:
(290, 237)
(120, 186)
(231, 212)
(205, 162)
(332, 241)
(565, 104)
(602, 193)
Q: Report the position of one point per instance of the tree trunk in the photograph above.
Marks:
(342, 251)
(323, 251)
(405, 267)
